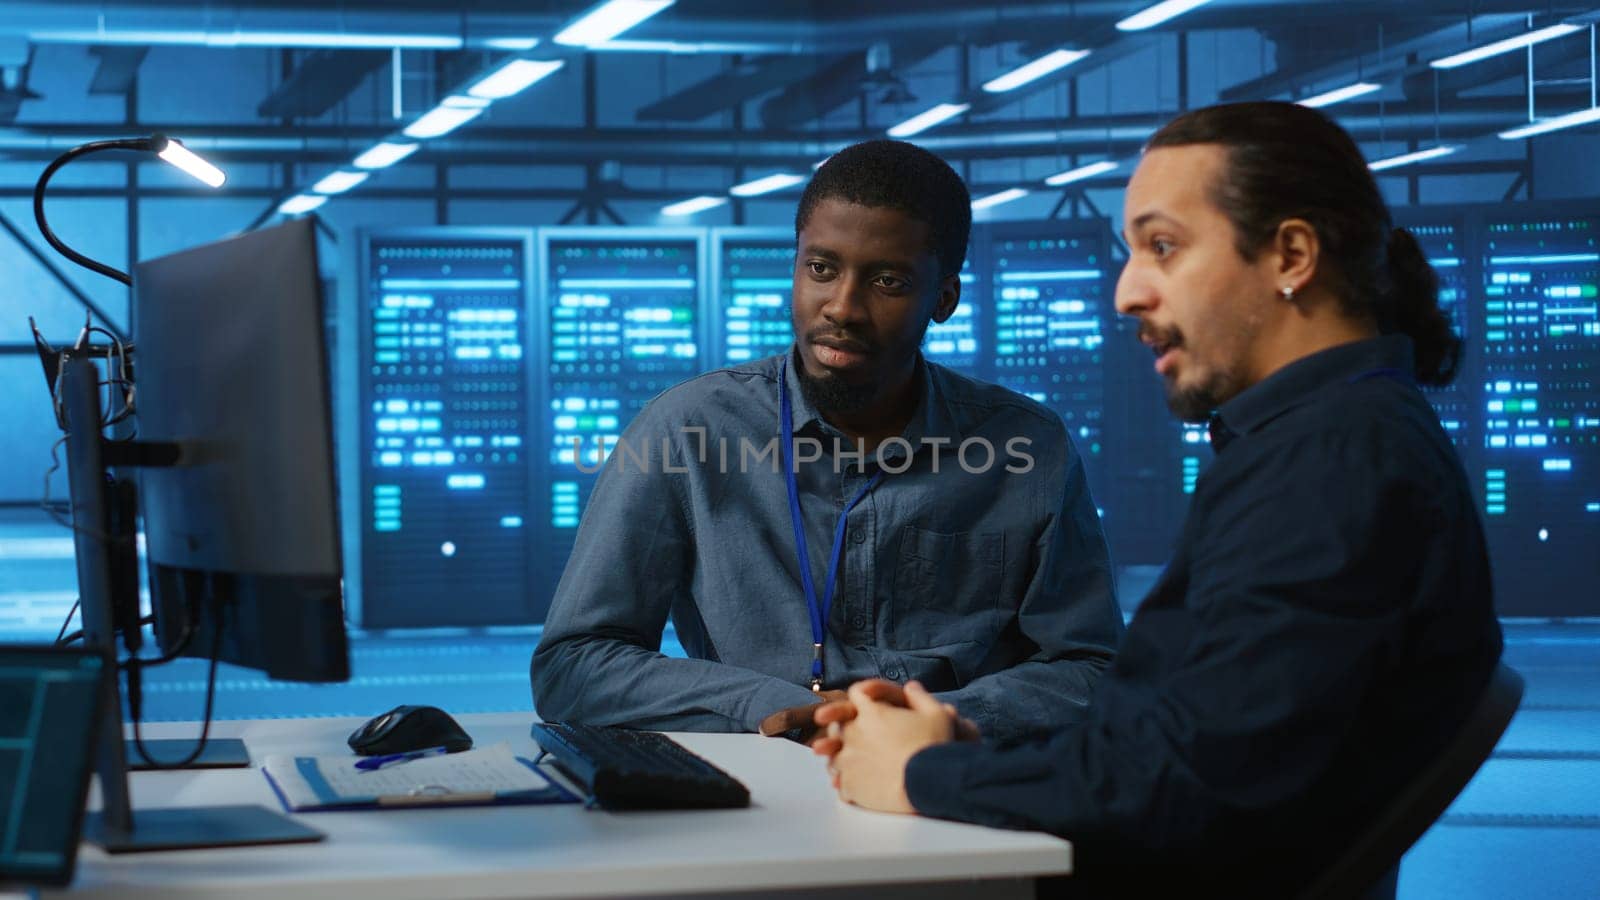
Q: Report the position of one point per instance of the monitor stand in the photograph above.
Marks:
(219, 753)
(116, 827)
(196, 828)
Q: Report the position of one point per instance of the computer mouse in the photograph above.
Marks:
(407, 728)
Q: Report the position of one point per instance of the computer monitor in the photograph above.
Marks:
(234, 447)
(49, 700)
(232, 367)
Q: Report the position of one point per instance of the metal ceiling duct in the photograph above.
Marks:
(722, 26)
(994, 140)
(439, 26)
(445, 26)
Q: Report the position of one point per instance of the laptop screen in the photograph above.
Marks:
(48, 702)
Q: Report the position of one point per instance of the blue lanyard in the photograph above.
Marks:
(819, 612)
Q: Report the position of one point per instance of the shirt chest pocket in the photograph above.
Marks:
(947, 588)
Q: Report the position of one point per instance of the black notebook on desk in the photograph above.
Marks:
(488, 776)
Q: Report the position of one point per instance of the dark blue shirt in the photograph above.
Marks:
(977, 564)
(1323, 628)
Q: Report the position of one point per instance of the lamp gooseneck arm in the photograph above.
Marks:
(146, 143)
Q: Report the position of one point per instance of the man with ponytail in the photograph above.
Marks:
(1326, 623)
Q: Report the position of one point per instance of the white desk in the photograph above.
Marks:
(795, 837)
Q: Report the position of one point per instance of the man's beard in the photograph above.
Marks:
(831, 394)
(1194, 403)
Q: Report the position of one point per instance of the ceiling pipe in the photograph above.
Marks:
(490, 145)
(446, 26)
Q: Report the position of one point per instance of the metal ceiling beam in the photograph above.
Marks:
(117, 70)
(321, 79)
(738, 26)
(1417, 77)
(439, 25)
(1418, 81)
(771, 27)
(617, 192)
(834, 85)
(737, 84)
(717, 147)
(1097, 31)
(1078, 26)
(1267, 13)
(1370, 64)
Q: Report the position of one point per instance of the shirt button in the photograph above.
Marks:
(859, 622)
(858, 534)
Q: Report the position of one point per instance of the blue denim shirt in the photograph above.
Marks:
(988, 581)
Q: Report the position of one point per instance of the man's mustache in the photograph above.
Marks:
(1151, 334)
(842, 340)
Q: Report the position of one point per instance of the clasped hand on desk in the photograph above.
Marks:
(799, 719)
(872, 733)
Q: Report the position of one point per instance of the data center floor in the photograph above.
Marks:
(1525, 827)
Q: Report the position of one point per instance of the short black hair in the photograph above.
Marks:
(896, 175)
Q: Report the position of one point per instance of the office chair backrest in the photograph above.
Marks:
(1377, 850)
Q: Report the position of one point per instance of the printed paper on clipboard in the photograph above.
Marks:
(491, 775)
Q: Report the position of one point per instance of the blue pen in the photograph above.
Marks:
(374, 763)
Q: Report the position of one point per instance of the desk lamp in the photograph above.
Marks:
(219, 753)
(168, 149)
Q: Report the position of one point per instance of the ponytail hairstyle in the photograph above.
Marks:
(1286, 161)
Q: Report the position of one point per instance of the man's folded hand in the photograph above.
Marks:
(798, 722)
(868, 752)
(832, 715)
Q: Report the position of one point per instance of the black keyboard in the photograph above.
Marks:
(626, 769)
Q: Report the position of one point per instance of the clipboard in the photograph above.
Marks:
(489, 776)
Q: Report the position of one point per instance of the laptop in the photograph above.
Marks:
(49, 700)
